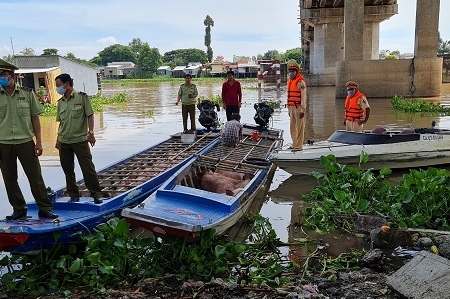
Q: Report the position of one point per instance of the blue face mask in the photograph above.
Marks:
(4, 81)
(292, 75)
(351, 92)
(61, 90)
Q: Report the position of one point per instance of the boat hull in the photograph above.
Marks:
(29, 236)
(425, 150)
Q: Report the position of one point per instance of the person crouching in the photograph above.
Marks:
(232, 133)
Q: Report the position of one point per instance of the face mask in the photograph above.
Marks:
(351, 92)
(61, 90)
(4, 81)
(292, 75)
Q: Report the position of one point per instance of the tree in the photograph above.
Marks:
(50, 51)
(27, 52)
(272, 55)
(149, 58)
(295, 53)
(443, 46)
(72, 57)
(137, 45)
(184, 56)
(208, 22)
(9, 59)
(113, 53)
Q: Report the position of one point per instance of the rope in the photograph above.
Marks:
(412, 71)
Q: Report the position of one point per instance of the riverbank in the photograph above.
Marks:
(171, 79)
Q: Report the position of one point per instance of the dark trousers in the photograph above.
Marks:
(84, 157)
(185, 111)
(230, 110)
(9, 153)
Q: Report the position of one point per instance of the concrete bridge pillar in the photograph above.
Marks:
(427, 26)
(353, 30)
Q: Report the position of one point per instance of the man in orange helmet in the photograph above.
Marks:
(357, 109)
(296, 103)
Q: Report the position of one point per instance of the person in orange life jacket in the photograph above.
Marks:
(296, 103)
(231, 95)
(357, 109)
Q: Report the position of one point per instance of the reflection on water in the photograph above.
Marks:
(124, 129)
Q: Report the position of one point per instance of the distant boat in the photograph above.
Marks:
(126, 182)
(187, 203)
(407, 148)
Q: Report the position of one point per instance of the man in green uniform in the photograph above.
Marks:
(187, 94)
(19, 123)
(76, 129)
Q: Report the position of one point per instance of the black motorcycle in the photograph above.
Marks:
(263, 114)
(208, 116)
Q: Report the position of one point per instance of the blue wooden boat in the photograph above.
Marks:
(186, 205)
(124, 184)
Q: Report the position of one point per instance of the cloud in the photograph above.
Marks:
(107, 41)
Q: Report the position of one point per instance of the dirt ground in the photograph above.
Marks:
(365, 283)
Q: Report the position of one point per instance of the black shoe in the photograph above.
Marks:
(47, 214)
(17, 215)
(98, 200)
(74, 199)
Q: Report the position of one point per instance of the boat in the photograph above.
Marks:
(187, 203)
(125, 183)
(392, 148)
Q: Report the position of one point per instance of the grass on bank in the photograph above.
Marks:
(172, 79)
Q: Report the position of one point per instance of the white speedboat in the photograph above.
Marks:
(405, 148)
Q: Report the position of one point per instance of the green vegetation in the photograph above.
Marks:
(124, 82)
(274, 104)
(421, 199)
(98, 102)
(215, 99)
(208, 22)
(417, 106)
(111, 257)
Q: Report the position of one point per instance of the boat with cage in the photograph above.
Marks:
(125, 183)
(212, 191)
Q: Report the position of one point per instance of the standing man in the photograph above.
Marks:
(357, 109)
(231, 95)
(187, 94)
(296, 102)
(76, 129)
(19, 123)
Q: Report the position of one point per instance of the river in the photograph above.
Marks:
(124, 129)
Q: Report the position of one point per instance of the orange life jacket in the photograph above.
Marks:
(353, 112)
(294, 97)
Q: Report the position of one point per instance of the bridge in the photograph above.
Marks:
(340, 42)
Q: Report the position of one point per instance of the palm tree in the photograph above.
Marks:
(208, 22)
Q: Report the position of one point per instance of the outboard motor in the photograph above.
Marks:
(208, 117)
(263, 114)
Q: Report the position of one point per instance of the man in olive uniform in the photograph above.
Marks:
(187, 94)
(76, 129)
(19, 123)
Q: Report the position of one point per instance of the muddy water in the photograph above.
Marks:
(124, 129)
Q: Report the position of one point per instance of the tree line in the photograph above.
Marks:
(149, 58)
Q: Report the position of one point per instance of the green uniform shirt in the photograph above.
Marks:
(72, 113)
(184, 92)
(16, 112)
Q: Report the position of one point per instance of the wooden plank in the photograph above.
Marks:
(425, 277)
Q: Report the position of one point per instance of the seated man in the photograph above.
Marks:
(232, 133)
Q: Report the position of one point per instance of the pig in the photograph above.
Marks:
(231, 174)
(218, 183)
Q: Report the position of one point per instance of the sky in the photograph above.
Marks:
(242, 28)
